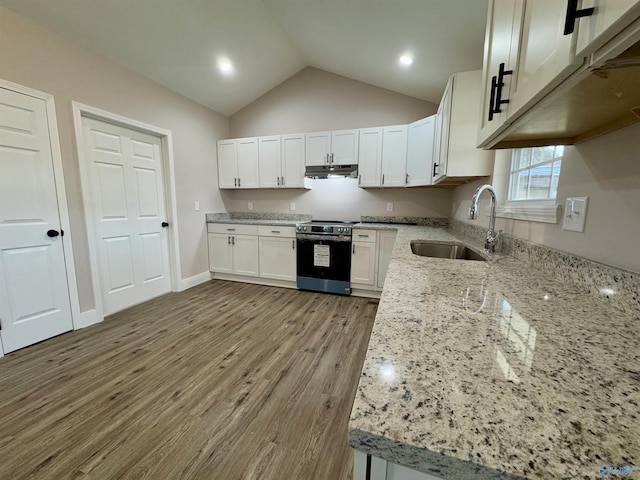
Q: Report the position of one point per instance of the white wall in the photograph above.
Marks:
(38, 58)
(607, 170)
(341, 199)
(315, 100)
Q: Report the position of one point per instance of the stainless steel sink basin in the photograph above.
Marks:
(444, 250)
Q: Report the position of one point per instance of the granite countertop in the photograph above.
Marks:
(491, 370)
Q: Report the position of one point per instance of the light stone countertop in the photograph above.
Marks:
(256, 221)
(491, 370)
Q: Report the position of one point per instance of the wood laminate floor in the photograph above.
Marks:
(223, 381)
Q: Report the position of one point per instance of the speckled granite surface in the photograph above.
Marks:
(492, 370)
(258, 218)
(423, 221)
(620, 287)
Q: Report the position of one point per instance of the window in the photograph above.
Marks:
(534, 173)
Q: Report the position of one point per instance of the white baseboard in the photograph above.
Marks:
(88, 318)
(1, 349)
(195, 280)
(255, 280)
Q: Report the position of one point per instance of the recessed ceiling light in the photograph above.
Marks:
(225, 66)
(406, 60)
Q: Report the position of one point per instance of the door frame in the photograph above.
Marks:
(63, 208)
(81, 110)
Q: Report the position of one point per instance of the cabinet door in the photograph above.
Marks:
(227, 161)
(293, 158)
(609, 18)
(278, 258)
(344, 147)
(385, 248)
(248, 162)
(500, 47)
(370, 157)
(245, 255)
(443, 120)
(420, 138)
(546, 56)
(318, 148)
(269, 160)
(394, 156)
(220, 253)
(363, 264)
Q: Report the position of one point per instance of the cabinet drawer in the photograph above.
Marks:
(232, 228)
(361, 235)
(276, 231)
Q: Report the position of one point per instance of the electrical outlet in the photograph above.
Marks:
(292, 206)
(575, 213)
(196, 206)
(250, 206)
(390, 207)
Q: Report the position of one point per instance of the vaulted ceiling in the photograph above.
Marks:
(179, 44)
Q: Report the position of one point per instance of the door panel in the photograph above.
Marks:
(318, 148)
(394, 156)
(34, 296)
(370, 157)
(270, 161)
(293, 158)
(127, 198)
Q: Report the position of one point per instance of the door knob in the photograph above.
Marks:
(52, 233)
(165, 224)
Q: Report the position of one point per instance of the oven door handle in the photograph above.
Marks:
(327, 238)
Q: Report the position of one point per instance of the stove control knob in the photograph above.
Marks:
(346, 229)
(339, 229)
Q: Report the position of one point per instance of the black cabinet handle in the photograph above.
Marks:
(435, 169)
(492, 100)
(574, 13)
(52, 233)
(499, 85)
(165, 224)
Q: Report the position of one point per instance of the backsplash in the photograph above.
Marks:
(294, 217)
(441, 222)
(614, 284)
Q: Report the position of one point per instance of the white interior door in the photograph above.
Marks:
(128, 209)
(34, 294)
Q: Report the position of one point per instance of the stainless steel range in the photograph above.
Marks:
(324, 256)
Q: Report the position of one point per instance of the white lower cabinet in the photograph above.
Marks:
(370, 255)
(386, 239)
(278, 253)
(233, 249)
(380, 469)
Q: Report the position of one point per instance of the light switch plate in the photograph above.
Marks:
(250, 206)
(196, 206)
(390, 207)
(575, 213)
(292, 206)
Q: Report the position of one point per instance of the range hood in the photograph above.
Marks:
(331, 171)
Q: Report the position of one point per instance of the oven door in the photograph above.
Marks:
(324, 263)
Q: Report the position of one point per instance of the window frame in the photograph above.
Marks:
(511, 171)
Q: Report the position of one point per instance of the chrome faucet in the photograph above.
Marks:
(492, 236)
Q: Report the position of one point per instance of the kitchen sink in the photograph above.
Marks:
(445, 250)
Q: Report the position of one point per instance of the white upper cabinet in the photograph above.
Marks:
(370, 157)
(332, 148)
(420, 143)
(500, 61)
(248, 163)
(545, 75)
(344, 147)
(608, 18)
(269, 152)
(546, 54)
(282, 161)
(456, 129)
(318, 148)
(238, 163)
(394, 156)
(293, 158)
(227, 164)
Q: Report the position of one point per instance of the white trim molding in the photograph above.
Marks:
(63, 207)
(79, 111)
(88, 318)
(186, 283)
(544, 213)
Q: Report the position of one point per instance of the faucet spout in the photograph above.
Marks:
(492, 237)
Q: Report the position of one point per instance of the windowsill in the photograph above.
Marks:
(531, 212)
